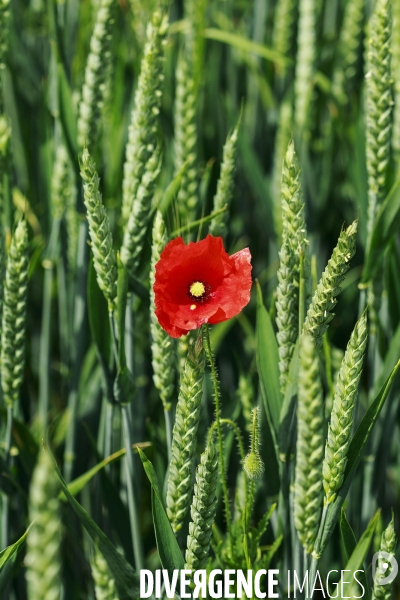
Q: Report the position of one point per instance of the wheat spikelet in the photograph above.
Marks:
(97, 68)
(61, 188)
(14, 313)
(310, 446)
(138, 220)
(378, 105)
(305, 61)
(284, 27)
(104, 583)
(319, 314)
(388, 544)
(338, 440)
(349, 48)
(396, 78)
(162, 348)
(225, 185)
(202, 511)
(4, 42)
(99, 230)
(184, 436)
(185, 144)
(43, 554)
(142, 140)
(294, 243)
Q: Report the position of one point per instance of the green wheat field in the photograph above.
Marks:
(166, 409)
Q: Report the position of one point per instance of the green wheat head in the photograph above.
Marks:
(285, 18)
(388, 544)
(310, 446)
(162, 348)
(99, 230)
(319, 314)
(396, 79)
(349, 49)
(4, 42)
(104, 583)
(142, 139)
(340, 427)
(138, 220)
(14, 314)
(225, 187)
(379, 105)
(283, 136)
(294, 243)
(184, 436)
(202, 511)
(43, 554)
(97, 70)
(305, 61)
(61, 182)
(185, 140)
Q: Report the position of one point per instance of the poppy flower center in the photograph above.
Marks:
(198, 290)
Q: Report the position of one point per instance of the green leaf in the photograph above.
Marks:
(126, 579)
(347, 537)
(357, 558)
(268, 366)
(122, 301)
(387, 223)
(244, 44)
(356, 447)
(7, 560)
(168, 549)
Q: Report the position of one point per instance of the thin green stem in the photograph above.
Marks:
(132, 503)
(78, 349)
(302, 293)
(45, 334)
(6, 501)
(208, 351)
(316, 554)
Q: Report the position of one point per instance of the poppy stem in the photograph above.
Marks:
(210, 357)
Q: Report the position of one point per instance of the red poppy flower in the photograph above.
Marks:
(200, 283)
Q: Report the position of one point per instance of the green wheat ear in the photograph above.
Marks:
(338, 440)
(388, 544)
(225, 187)
(99, 229)
(185, 139)
(14, 314)
(284, 28)
(162, 347)
(305, 61)
(187, 416)
(104, 583)
(379, 105)
(282, 139)
(349, 49)
(97, 70)
(396, 78)
(294, 248)
(143, 139)
(43, 554)
(310, 446)
(203, 509)
(319, 314)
